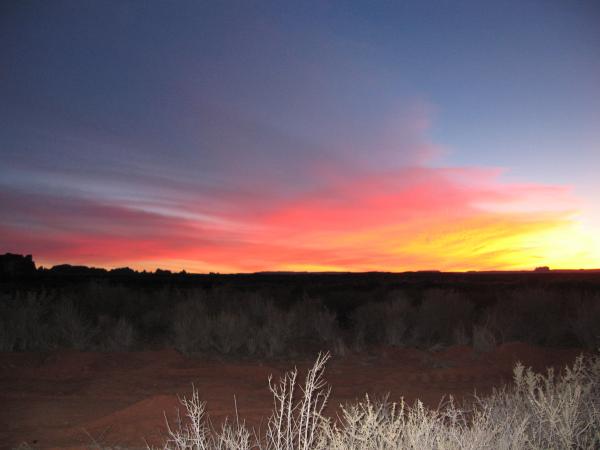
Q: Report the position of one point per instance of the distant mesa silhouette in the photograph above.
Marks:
(22, 267)
(70, 270)
(16, 266)
(123, 271)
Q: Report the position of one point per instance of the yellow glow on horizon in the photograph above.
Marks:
(485, 242)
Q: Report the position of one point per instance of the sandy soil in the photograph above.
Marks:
(73, 399)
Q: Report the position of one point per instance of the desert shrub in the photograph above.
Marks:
(382, 323)
(271, 337)
(252, 321)
(102, 297)
(460, 336)
(191, 327)
(305, 327)
(9, 326)
(70, 327)
(95, 297)
(440, 313)
(7, 337)
(483, 338)
(261, 327)
(584, 323)
(550, 411)
(193, 432)
(229, 331)
(253, 325)
(153, 325)
(23, 322)
(398, 314)
(114, 335)
(38, 321)
(537, 411)
(537, 316)
(295, 423)
(312, 326)
(204, 325)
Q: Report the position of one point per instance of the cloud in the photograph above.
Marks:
(411, 218)
(234, 190)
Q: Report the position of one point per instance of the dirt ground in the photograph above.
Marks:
(83, 400)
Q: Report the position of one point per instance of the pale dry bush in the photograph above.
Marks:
(295, 423)
(562, 411)
(538, 411)
(194, 430)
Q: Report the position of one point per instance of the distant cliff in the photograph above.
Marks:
(16, 266)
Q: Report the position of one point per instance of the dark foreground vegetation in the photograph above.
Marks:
(289, 315)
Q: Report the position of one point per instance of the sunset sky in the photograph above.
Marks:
(247, 136)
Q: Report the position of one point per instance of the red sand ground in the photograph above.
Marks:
(73, 399)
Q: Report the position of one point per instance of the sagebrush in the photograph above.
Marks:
(538, 411)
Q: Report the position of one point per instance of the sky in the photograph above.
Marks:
(249, 136)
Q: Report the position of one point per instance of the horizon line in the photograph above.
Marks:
(539, 269)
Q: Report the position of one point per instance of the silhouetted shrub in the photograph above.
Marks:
(483, 338)
(585, 323)
(251, 325)
(253, 321)
(536, 316)
(382, 323)
(191, 327)
(23, 322)
(312, 326)
(439, 315)
(71, 329)
(115, 335)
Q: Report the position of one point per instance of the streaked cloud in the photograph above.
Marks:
(358, 217)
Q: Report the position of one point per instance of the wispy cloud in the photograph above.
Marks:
(334, 213)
